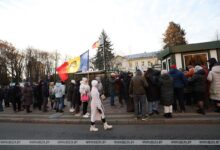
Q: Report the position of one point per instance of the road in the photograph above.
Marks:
(120, 132)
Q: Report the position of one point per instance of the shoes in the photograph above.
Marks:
(72, 110)
(156, 112)
(88, 114)
(166, 115)
(61, 111)
(170, 115)
(144, 118)
(151, 114)
(107, 127)
(85, 116)
(77, 115)
(201, 111)
(93, 128)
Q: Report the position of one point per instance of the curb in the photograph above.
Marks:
(115, 121)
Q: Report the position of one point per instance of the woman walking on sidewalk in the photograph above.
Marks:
(97, 110)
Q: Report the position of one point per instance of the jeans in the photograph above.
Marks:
(179, 94)
(140, 105)
(152, 106)
(112, 95)
(58, 104)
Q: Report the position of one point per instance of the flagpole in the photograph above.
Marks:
(104, 51)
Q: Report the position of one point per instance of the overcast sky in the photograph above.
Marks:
(134, 26)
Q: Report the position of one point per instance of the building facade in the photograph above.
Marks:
(190, 54)
(131, 63)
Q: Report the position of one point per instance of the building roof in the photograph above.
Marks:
(142, 55)
(190, 48)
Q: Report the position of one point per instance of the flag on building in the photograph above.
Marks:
(96, 44)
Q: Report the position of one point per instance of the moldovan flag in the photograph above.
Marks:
(96, 44)
(80, 63)
(62, 71)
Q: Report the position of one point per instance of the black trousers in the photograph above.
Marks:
(85, 105)
(15, 103)
(179, 95)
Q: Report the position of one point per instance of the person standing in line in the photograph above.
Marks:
(153, 90)
(166, 90)
(70, 95)
(214, 79)
(17, 94)
(51, 95)
(76, 99)
(58, 97)
(27, 96)
(45, 95)
(112, 90)
(85, 95)
(198, 82)
(137, 89)
(1, 99)
(97, 109)
(179, 82)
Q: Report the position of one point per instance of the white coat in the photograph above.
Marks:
(214, 78)
(97, 109)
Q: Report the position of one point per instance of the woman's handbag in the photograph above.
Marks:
(85, 98)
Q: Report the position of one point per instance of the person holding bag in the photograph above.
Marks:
(84, 93)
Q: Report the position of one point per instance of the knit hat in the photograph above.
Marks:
(164, 72)
(73, 81)
(173, 66)
(197, 68)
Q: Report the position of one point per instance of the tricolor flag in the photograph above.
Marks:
(62, 71)
(80, 63)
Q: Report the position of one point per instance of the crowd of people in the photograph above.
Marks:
(141, 93)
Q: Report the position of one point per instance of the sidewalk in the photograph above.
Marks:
(114, 115)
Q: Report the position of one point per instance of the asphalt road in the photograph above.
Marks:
(120, 132)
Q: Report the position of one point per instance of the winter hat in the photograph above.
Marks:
(113, 74)
(73, 81)
(94, 83)
(173, 66)
(197, 68)
(84, 79)
(212, 61)
(164, 72)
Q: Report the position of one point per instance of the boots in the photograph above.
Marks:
(93, 128)
(107, 127)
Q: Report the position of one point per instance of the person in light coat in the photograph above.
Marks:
(214, 78)
(84, 89)
(97, 109)
(58, 90)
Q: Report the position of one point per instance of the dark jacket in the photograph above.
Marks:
(198, 81)
(28, 95)
(112, 82)
(166, 90)
(138, 85)
(70, 92)
(153, 90)
(45, 89)
(179, 80)
(17, 94)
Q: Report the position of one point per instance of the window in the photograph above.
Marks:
(194, 59)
